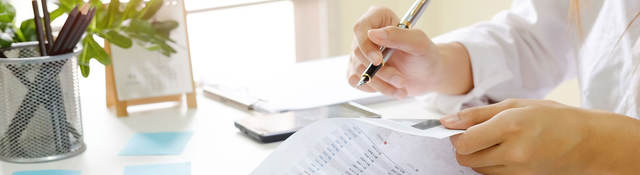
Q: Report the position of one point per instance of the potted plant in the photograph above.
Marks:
(45, 124)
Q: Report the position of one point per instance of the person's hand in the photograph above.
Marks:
(544, 137)
(412, 68)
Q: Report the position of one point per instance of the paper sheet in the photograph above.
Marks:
(162, 143)
(311, 84)
(159, 169)
(300, 86)
(48, 172)
(364, 146)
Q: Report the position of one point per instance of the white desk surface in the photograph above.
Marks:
(216, 147)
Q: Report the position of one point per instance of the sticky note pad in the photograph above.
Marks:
(159, 169)
(47, 172)
(161, 143)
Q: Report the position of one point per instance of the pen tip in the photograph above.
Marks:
(361, 82)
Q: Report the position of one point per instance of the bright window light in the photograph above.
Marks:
(230, 44)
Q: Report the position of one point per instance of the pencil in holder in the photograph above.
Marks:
(40, 118)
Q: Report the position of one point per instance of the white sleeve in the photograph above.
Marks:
(523, 52)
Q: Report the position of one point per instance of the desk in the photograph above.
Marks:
(216, 147)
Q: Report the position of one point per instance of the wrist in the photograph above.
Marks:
(454, 72)
(612, 144)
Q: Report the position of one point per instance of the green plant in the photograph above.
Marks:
(120, 24)
(121, 27)
(9, 32)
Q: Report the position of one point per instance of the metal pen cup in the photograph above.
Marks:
(40, 118)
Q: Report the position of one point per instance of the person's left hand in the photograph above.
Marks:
(542, 137)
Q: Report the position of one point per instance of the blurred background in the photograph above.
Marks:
(235, 38)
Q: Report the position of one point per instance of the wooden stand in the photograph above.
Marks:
(121, 106)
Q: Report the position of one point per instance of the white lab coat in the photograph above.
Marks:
(526, 51)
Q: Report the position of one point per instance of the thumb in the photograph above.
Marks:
(473, 116)
(412, 41)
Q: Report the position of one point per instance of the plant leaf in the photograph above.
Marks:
(130, 10)
(5, 43)
(28, 29)
(97, 4)
(97, 52)
(91, 49)
(7, 12)
(84, 57)
(141, 26)
(19, 37)
(56, 13)
(85, 70)
(154, 48)
(164, 28)
(117, 39)
(150, 9)
(7, 34)
(8, 31)
(68, 5)
(113, 11)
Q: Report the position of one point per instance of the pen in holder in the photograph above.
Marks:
(40, 117)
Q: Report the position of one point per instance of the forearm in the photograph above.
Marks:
(614, 144)
(454, 74)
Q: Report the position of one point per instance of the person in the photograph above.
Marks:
(488, 75)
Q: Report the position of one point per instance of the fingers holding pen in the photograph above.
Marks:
(408, 40)
(353, 80)
(358, 54)
(354, 74)
(388, 80)
(376, 17)
(386, 88)
(392, 76)
(390, 83)
(368, 50)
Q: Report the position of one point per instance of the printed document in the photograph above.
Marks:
(366, 146)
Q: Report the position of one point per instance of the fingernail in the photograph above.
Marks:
(380, 34)
(397, 81)
(450, 119)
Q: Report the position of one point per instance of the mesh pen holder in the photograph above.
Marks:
(40, 117)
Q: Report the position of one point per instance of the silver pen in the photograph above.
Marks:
(408, 21)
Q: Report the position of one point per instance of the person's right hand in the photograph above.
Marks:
(410, 71)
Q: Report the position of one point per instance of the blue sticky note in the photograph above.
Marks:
(161, 143)
(159, 169)
(47, 172)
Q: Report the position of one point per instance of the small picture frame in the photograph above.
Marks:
(138, 76)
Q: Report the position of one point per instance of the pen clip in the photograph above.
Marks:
(414, 13)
